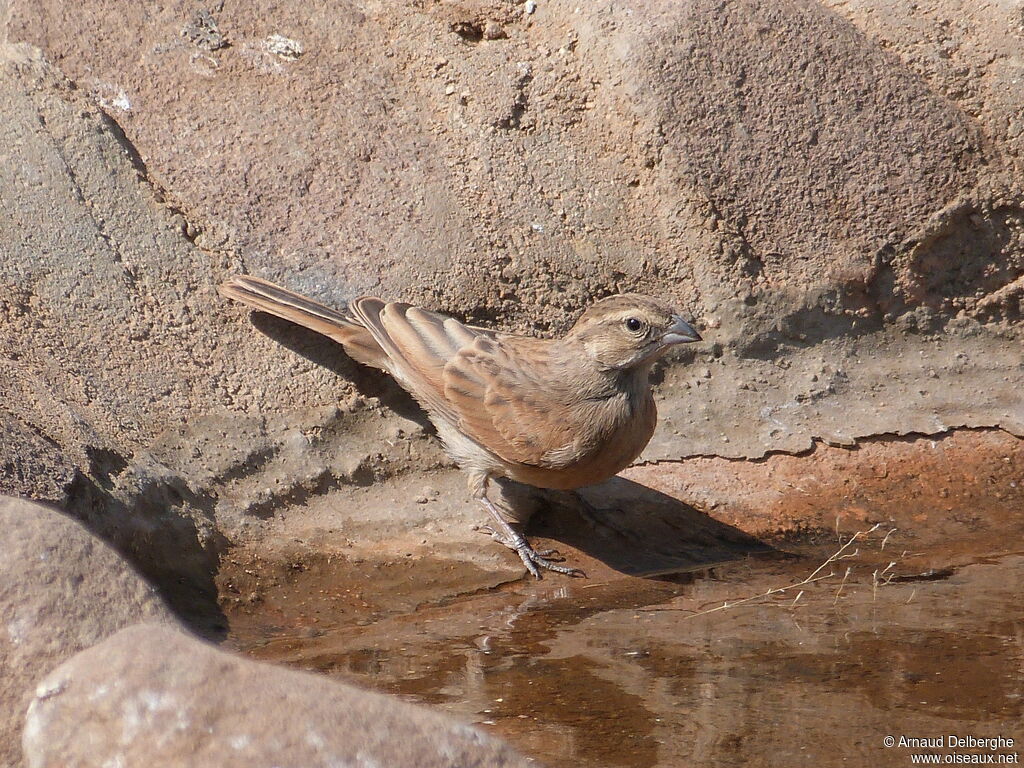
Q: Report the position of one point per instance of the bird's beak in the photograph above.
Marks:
(680, 332)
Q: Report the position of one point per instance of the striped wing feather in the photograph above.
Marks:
(505, 392)
(496, 389)
(419, 344)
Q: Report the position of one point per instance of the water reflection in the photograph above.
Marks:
(623, 673)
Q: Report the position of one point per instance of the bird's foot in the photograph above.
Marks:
(535, 560)
(499, 537)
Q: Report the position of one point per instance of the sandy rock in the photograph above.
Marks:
(130, 394)
(974, 62)
(705, 150)
(61, 590)
(844, 226)
(764, 164)
(699, 150)
(153, 696)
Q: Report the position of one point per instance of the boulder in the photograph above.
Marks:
(153, 696)
(61, 590)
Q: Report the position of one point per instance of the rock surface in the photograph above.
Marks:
(833, 190)
(801, 190)
(153, 696)
(837, 199)
(954, 491)
(61, 590)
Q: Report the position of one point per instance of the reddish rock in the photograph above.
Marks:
(953, 494)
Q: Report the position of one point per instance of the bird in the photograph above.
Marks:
(560, 413)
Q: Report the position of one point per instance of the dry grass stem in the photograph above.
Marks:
(842, 584)
(890, 533)
(816, 575)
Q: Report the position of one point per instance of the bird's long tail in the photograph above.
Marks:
(268, 297)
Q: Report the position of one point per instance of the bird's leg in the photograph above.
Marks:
(597, 518)
(532, 559)
(511, 538)
(588, 511)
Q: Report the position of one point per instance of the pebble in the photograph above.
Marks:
(529, 7)
(426, 494)
(284, 47)
(494, 31)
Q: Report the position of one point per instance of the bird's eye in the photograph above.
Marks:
(634, 325)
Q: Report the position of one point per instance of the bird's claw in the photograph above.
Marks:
(504, 540)
(489, 531)
(536, 561)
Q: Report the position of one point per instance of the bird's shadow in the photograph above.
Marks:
(328, 354)
(639, 531)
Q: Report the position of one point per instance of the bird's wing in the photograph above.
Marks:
(265, 296)
(419, 344)
(496, 389)
(506, 391)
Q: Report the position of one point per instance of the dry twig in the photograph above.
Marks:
(839, 554)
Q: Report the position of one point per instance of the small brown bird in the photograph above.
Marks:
(551, 413)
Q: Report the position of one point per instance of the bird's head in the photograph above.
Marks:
(630, 330)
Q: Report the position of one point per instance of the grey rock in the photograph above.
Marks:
(152, 696)
(61, 590)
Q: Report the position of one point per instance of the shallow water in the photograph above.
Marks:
(640, 672)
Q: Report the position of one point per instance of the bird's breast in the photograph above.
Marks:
(607, 436)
